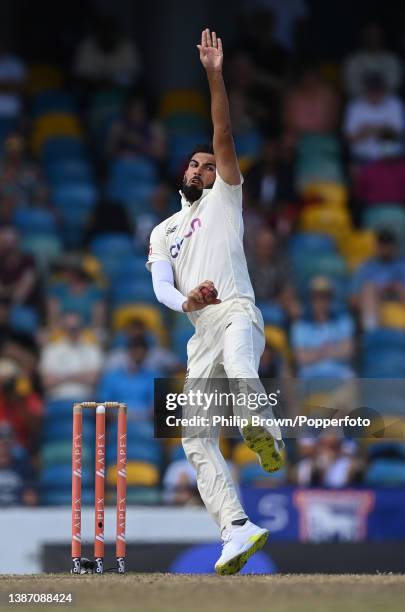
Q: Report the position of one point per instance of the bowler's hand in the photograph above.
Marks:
(210, 49)
(200, 297)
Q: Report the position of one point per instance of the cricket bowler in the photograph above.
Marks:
(198, 267)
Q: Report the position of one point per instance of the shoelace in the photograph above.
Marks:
(226, 536)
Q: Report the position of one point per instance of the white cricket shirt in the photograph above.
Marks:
(204, 241)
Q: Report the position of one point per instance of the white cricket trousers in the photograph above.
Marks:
(228, 342)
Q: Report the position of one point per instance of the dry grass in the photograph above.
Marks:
(191, 593)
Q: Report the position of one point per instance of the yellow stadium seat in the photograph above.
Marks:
(139, 473)
(358, 247)
(326, 193)
(183, 100)
(392, 429)
(242, 455)
(333, 221)
(245, 163)
(42, 77)
(277, 338)
(392, 314)
(150, 315)
(53, 124)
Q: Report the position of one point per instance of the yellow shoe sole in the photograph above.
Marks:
(233, 566)
(261, 442)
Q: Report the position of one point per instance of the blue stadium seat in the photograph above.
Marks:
(24, 319)
(248, 144)
(129, 290)
(53, 101)
(310, 242)
(60, 147)
(30, 220)
(251, 473)
(56, 427)
(59, 408)
(272, 313)
(131, 179)
(69, 170)
(55, 497)
(385, 473)
(179, 342)
(60, 477)
(180, 147)
(138, 449)
(67, 196)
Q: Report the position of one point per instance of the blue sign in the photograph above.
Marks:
(324, 515)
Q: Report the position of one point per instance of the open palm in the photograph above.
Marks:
(211, 55)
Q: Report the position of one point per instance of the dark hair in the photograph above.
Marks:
(203, 148)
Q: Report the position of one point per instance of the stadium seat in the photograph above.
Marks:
(52, 101)
(277, 338)
(138, 449)
(132, 290)
(242, 455)
(69, 170)
(327, 193)
(252, 474)
(131, 178)
(44, 77)
(334, 222)
(318, 145)
(139, 473)
(31, 220)
(310, 243)
(24, 319)
(385, 473)
(44, 248)
(143, 496)
(54, 497)
(53, 453)
(273, 314)
(59, 408)
(248, 143)
(60, 477)
(71, 195)
(392, 314)
(183, 100)
(180, 147)
(62, 148)
(51, 125)
(150, 315)
(180, 337)
(358, 247)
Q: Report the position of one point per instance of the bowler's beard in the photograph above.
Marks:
(192, 192)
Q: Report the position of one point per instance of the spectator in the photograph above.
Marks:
(75, 292)
(374, 122)
(269, 186)
(331, 462)
(70, 366)
(12, 79)
(136, 134)
(19, 405)
(311, 105)
(16, 345)
(107, 217)
(107, 57)
(323, 343)
(19, 176)
(180, 484)
(18, 276)
(16, 475)
(381, 181)
(268, 270)
(131, 383)
(156, 358)
(288, 16)
(379, 279)
(372, 56)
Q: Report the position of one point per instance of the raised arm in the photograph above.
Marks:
(211, 57)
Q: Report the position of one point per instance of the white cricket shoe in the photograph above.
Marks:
(240, 542)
